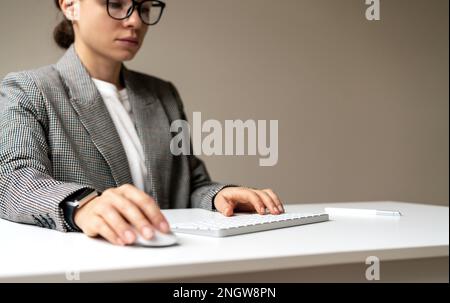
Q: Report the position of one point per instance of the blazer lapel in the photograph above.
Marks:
(94, 115)
(153, 129)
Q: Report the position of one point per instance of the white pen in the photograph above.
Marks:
(357, 211)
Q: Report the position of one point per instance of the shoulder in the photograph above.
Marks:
(145, 77)
(27, 80)
(20, 89)
(164, 89)
(156, 84)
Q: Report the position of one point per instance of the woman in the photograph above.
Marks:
(84, 143)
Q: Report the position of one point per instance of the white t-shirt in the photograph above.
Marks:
(120, 111)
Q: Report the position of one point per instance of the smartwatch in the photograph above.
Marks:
(76, 201)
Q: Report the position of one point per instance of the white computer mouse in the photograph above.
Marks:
(159, 239)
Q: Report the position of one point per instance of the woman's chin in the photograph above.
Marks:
(124, 56)
(125, 52)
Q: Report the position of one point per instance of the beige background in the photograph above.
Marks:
(362, 106)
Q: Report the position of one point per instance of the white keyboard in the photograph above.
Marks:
(217, 225)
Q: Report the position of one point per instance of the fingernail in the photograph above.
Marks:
(280, 208)
(164, 227)
(147, 232)
(262, 210)
(129, 236)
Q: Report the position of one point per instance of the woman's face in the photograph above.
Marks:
(102, 34)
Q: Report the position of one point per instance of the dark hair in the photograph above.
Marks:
(63, 33)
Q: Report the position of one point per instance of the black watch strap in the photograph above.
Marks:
(71, 203)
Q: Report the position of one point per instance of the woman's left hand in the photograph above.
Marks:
(247, 199)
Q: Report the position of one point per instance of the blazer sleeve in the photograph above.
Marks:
(28, 192)
(203, 189)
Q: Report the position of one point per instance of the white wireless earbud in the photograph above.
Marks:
(73, 11)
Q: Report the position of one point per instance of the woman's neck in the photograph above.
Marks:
(99, 67)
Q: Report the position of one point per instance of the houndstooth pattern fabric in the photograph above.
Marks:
(56, 137)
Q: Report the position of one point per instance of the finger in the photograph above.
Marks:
(148, 206)
(134, 216)
(245, 196)
(109, 234)
(90, 230)
(131, 213)
(268, 202)
(223, 206)
(96, 226)
(118, 224)
(275, 198)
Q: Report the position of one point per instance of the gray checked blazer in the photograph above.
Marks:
(56, 138)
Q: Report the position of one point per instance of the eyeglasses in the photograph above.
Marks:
(150, 11)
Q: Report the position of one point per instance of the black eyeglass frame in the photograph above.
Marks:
(138, 5)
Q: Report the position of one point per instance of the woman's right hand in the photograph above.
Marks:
(119, 213)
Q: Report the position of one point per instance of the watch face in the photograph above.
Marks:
(85, 193)
(87, 198)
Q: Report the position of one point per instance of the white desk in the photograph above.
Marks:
(411, 248)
